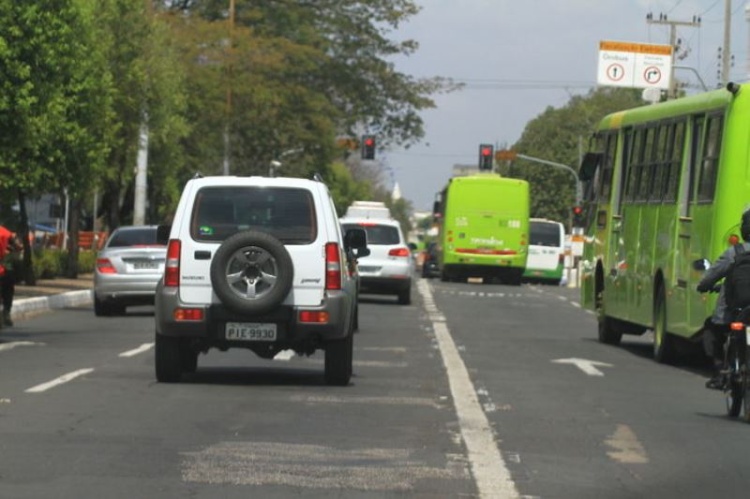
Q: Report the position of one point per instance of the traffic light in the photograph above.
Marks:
(486, 157)
(577, 216)
(368, 147)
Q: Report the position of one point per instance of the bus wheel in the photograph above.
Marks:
(607, 332)
(664, 343)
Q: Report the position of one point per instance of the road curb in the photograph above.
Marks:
(27, 307)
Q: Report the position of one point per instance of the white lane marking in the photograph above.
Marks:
(585, 365)
(575, 304)
(59, 381)
(284, 355)
(416, 401)
(490, 472)
(626, 447)
(13, 344)
(143, 348)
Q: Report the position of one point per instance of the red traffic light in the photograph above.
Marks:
(369, 142)
(486, 151)
(577, 210)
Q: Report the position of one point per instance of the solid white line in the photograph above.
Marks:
(59, 381)
(490, 472)
(143, 348)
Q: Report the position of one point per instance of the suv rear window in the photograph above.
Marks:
(286, 213)
(377, 234)
(545, 234)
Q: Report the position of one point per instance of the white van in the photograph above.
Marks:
(546, 251)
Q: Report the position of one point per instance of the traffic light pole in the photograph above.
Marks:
(579, 190)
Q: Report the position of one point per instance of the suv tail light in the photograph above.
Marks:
(172, 267)
(333, 266)
(403, 252)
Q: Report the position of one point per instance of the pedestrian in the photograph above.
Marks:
(9, 250)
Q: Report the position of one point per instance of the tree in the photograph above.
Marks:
(294, 74)
(148, 91)
(559, 135)
(53, 104)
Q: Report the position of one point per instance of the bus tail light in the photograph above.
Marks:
(172, 267)
(333, 267)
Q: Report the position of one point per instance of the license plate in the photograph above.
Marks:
(145, 265)
(250, 331)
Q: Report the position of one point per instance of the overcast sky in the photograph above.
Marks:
(517, 57)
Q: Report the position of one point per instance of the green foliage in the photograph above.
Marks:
(561, 135)
(344, 189)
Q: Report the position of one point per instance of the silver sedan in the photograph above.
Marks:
(128, 269)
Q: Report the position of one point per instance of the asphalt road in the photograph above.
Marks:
(473, 391)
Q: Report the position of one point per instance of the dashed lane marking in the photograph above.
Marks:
(13, 344)
(143, 348)
(59, 381)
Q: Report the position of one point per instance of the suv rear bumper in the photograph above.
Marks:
(289, 331)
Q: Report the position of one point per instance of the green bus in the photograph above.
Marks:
(483, 228)
(665, 187)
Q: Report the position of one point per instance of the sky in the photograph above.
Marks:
(519, 57)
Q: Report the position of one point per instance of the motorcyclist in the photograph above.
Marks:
(718, 323)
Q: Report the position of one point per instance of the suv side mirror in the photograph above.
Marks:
(356, 239)
(162, 234)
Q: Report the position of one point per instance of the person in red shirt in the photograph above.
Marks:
(8, 245)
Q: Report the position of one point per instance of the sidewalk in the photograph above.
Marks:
(50, 294)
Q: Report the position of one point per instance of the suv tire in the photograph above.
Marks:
(168, 356)
(251, 272)
(338, 361)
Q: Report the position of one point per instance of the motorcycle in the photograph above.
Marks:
(735, 369)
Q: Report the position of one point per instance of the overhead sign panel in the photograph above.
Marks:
(635, 65)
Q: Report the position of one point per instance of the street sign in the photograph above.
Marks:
(635, 65)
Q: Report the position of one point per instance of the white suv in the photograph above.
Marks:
(389, 268)
(257, 263)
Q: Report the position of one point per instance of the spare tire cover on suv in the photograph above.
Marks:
(251, 272)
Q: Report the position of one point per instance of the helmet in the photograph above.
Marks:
(745, 226)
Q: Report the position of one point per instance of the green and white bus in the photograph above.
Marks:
(483, 224)
(665, 187)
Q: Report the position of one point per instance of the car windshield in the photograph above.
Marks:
(545, 234)
(377, 234)
(141, 237)
(286, 213)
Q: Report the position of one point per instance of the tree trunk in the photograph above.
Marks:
(71, 270)
(23, 232)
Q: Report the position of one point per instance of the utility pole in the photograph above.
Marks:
(726, 51)
(141, 169)
(229, 90)
(695, 23)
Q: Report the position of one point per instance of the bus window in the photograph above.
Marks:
(676, 146)
(608, 164)
(647, 165)
(660, 162)
(710, 160)
(696, 152)
(634, 165)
